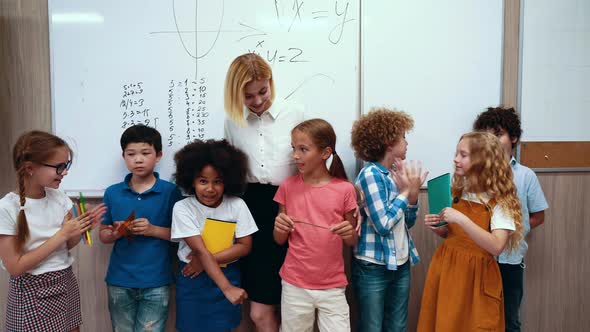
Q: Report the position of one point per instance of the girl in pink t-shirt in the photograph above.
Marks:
(316, 210)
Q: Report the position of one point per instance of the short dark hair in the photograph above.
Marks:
(141, 134)
(500, 118)
(230, 162)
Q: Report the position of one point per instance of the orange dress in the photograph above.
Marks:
(463, 288)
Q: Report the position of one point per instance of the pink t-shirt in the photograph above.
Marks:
(314, 258)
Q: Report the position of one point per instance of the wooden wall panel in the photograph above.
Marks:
(558, 261)
(555, 154)
(24, 76)
(510, 57)
(24, 88)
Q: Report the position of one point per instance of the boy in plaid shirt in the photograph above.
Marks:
(385, 249)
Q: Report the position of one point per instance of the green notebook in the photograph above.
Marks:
(439, 194)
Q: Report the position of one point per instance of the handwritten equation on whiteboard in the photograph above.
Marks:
(289, 32)
(185, 96)
(193, 33)
(299, 12)
(133, 106)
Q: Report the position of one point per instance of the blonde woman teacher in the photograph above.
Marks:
(260, 125)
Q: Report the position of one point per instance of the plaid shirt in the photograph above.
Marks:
(383, 209)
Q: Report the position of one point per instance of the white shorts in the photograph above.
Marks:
(298, 306)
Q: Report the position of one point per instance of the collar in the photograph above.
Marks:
(380, 167)
(157, 187)
(513, 161)
(273, 111)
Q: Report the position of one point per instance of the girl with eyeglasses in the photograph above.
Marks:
(37, 231)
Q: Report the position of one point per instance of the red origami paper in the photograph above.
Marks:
(124, 228)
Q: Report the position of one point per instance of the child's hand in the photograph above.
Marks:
(141, 226)
(416, 179)
(75, 227)
(284, 224)
(451, 215)
(398, 174)
(344, 230)
(359, 220)
(97, 213)
(235, 295)
(409, 178)
(193, 268)
(111, 231)
(430, 220)
(68, 216)
(360, 203)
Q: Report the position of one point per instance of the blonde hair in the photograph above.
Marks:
(490, 172)
(35, 147)
(244, 69)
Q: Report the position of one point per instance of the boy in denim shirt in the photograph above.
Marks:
(139, 272)
(505, 124)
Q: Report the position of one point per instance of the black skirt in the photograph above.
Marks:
(260, 269)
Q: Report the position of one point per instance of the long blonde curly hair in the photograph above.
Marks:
(490, 172)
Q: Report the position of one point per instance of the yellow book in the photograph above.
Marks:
(218, 235)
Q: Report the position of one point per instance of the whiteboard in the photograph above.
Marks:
(440, 61)
(115, 63)
(555, 70)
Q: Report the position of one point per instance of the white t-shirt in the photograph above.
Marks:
(500, 219)
(266, 140)
(400, 237)
(45, 217)
(188, 219)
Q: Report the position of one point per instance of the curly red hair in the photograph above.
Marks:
(374, 131)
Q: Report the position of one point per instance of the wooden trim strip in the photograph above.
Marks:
(549, 155)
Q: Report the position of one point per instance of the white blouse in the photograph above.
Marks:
(266, 140)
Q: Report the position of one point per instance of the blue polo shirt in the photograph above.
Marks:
(143, 261)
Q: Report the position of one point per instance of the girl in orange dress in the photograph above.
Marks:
(463, 288)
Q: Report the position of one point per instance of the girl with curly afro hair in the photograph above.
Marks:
(208, 289)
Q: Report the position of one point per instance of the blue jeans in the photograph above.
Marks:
(382, 296)
(138, 309)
